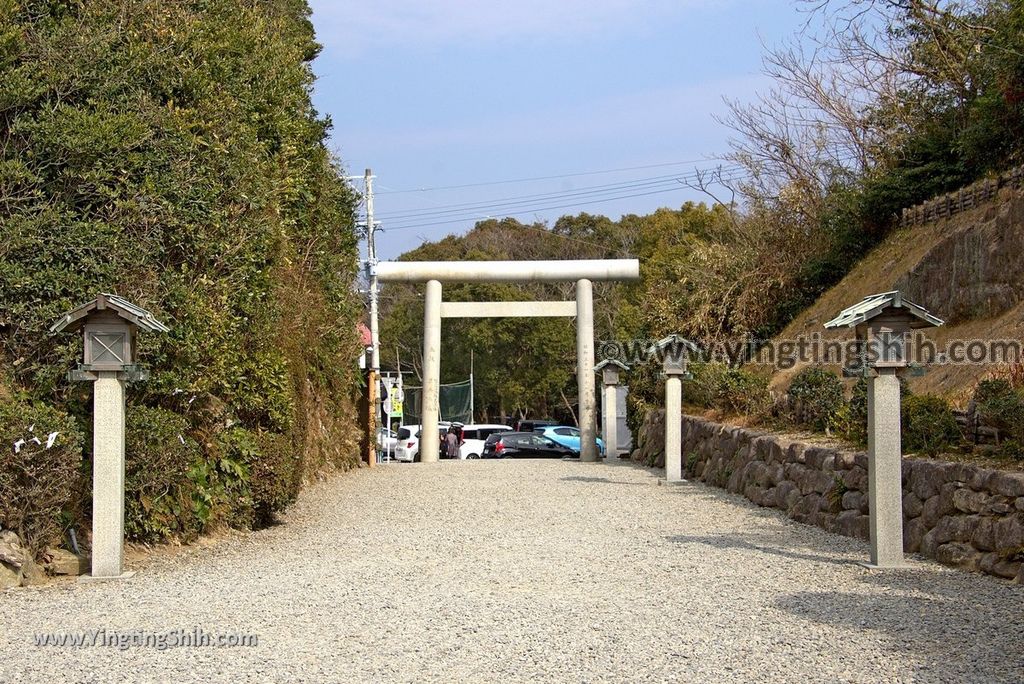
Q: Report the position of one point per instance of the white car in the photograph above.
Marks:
(387, 441)
(474, 436)
(408, 449)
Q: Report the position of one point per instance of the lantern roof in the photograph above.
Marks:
(611, 362)
(874, 305)
(673, 340)
(120, 306)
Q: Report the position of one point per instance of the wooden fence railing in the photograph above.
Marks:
(964, 199)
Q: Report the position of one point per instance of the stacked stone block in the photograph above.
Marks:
(959, 514)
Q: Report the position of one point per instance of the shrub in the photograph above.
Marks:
(852, 422)
(845, 426)
(643, 395)
(38, 484)
(223, 480)
(835, 493)
(989, 390)
(158, 490)
(858, 431)
(702, 389)
(1009, 449)
(817, 397)
(929, 426)
(735, 390)
(1000, 406)
(744, 392)
(636, 414)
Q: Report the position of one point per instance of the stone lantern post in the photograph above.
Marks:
(610, 370)
(674, 352)
(882, 324)
(110, 326)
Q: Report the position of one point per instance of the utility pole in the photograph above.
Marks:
(371, 251)
(374, 375)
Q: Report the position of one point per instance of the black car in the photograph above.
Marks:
(533, 425)
(524, 445)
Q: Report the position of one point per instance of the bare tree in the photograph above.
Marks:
(848, 93)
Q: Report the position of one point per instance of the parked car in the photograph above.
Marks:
(531, 425)
(408, 449)
(567, 435)
(524, 445)
(387, 440)
(474, 436)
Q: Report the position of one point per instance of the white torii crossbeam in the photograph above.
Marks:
(583, 272)
(508, 309)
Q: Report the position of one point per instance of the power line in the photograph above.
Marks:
(394, 214)
(579, 197)
(680, 185)
(497, 203)
(525, 212)
(483, 211)
(538, 178)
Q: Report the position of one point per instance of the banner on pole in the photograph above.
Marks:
(394, 397)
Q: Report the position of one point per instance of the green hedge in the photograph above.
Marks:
(171, 154)
(159, 492)
(268, 467)
(852, 419)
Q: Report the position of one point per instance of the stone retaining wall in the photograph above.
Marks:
(959, 514)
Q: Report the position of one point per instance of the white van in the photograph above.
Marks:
(408, 449)
(474, 436)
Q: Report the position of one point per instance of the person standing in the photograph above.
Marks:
(452, 443)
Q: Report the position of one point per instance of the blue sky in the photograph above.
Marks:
(441, 93)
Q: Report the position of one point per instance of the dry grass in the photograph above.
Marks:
(978, 457)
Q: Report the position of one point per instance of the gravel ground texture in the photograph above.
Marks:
(514, 571)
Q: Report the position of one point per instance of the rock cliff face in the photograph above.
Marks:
(974, 269)
(959, 514)
(965, 268)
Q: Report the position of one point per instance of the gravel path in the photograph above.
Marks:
(528, 571)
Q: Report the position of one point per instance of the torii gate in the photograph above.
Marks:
(581, 271)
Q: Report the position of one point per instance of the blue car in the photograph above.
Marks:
(567, 436)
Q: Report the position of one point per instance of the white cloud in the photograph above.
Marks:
(353, 27)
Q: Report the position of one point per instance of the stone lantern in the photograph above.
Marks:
(610, 370)
(674, 352)
(110, 325)
(882, 324)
